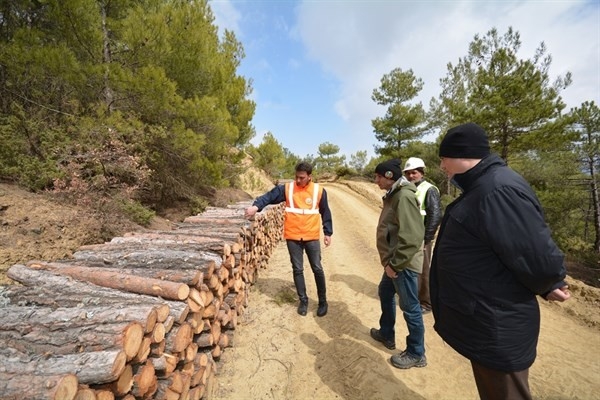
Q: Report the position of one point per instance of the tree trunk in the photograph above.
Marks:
(203, 244)
(19, 318)
(595, 205)
(189, 277)
(61, 291)
(134, 256)
(126, 336)
(201, 235)
(130, 283)
(38, 387)
(122, 385)
(89, 367)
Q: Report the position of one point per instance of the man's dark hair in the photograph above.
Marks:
(304, 166)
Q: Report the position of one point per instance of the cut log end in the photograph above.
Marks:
(133, 336)
(64, 388)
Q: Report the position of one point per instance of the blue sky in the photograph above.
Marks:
(314, 64)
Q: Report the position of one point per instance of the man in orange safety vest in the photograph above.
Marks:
(306, 210)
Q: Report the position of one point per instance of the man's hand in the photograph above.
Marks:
(560, 294)
(327, 240)
(390, 272)
(250, 212)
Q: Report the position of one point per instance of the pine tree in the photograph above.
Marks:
(403, 122)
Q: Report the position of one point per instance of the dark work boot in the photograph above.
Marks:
(301, 290)
(322, 309)
(322, 293)
(303, 308)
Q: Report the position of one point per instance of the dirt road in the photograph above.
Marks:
(280, 355)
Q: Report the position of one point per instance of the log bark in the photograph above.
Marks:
(55, 290)
(190, 277)
(159, 363)
(164, 392)
(116, 280)
(223, 220)
(89, 367)
(22, 318)
(170, 248)
(126, 336)
(157, 349)
(122, 385)
(133, 257)
(204, 339)
(195, 235)
(39, 387)
(212, 245)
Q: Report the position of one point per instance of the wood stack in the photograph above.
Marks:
(144, 316)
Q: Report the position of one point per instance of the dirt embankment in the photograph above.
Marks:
(38, 227)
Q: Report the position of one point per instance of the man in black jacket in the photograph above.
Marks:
(494, 254)
(428, 197)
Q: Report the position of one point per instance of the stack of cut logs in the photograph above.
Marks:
(144, 316)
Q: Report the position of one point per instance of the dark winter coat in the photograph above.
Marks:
(493, 255)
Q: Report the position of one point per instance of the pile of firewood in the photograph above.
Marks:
(144, 316)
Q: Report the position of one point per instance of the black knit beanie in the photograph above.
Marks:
(391, 169)
(465, 141)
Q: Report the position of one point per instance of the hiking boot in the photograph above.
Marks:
(322, 309)
(302, 308)
(390, 344)
(405, 360)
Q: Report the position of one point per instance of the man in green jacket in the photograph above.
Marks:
(400, 233)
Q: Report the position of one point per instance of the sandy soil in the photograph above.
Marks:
(278, 354)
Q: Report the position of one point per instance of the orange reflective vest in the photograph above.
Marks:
(302, 218)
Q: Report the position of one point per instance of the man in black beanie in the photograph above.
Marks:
(400, 233)
(494, 254)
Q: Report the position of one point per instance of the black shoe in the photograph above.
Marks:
(390, 344)
(302, 308)
(322, 310)
(425, 310)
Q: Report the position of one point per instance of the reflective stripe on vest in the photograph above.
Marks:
(292, 209)
(421, 193)
(302, 217)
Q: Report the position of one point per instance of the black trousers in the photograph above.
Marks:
(499, 385)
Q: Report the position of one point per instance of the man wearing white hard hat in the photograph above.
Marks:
(428, 197)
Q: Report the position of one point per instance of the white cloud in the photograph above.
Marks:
(360, 41)
(354, 43)
(226, 16)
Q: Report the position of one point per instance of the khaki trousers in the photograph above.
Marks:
(424, 297)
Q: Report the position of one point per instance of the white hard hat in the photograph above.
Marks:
(413, 163)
